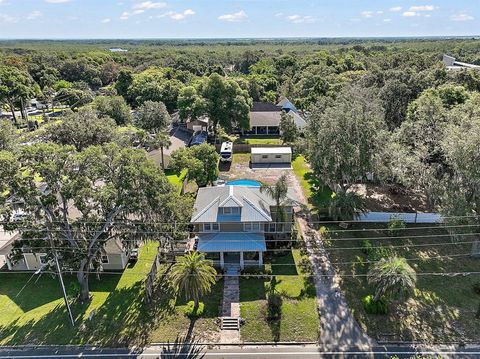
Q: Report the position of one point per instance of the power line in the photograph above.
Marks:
(351, 239)
(294, 264)
(438, 274)
(313, 222)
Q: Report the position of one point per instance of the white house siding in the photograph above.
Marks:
(117, 261)
(271, 155)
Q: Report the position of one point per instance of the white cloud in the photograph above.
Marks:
(57, 1)
(396, 9)
(34, 15)
(140, 8)
(7, 19)
(299, 19)
(147, 5)
(279, 14)
(379, 12)
(106, 21)
(367, 14)
(461, 17)
(418, 10)
(387, 20)
(235, 17)
(177, 16)
(422, 8)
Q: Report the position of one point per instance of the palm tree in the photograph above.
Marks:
(279, 193)
(392, 277)
(193, 275)
(163, 140)
(346, 206)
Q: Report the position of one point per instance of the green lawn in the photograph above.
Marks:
(260, 140)
(299, 319)
(443, 308)
(176, 180)
(317, 194)
(37, 314)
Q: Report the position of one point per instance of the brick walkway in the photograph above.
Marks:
(231, 307)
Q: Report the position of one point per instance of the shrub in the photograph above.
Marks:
(306, 265)
(274, 310)
(396, 225)
(375, 252)
(257, 271)
(476, 288)
(371, 307)
(190, 309)
(73, 290)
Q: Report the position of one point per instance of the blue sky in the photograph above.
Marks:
(236, 18)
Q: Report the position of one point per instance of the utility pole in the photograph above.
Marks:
(60, 277)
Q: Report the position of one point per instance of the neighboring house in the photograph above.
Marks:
(453, 65)
(198, 124)
(193, 125)
(178, 138)
(115, 256)
(265, 117)
(235, 223)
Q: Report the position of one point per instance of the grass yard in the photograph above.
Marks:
(176, 180)
(317, 194)
(443, 308)
(37, 315)
(259, 140)
(299, 319)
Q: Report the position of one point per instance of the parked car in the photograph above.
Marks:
(133, 255)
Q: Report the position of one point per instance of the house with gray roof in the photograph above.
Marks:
(265, 117)
(234, 224)
(452, 64)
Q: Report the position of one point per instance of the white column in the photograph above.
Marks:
(221, 260)
(242, 264)
(9, 264)
(260, 259)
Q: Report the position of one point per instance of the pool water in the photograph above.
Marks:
(245, 183)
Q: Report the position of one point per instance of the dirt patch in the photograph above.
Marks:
(391, 198)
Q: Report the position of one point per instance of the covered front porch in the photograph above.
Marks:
(233, 249)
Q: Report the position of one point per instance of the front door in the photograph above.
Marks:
(232, 258)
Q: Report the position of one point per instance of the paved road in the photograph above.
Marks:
(260, 352)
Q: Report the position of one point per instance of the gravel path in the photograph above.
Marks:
(339, 329)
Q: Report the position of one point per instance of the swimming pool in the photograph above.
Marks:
(244, 182)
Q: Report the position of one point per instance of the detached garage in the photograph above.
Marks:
(267, 155)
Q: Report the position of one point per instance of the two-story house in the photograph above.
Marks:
(235, 223)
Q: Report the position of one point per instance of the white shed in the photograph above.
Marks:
(261, 155)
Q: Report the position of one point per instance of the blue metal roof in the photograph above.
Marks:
(231, 242)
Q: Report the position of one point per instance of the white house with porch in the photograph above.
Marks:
(233, 222)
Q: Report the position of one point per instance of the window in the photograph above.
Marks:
(251, 227)
(264, 156)
(278, 156)
(210, 227)
(104, 259)
(230, 210)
